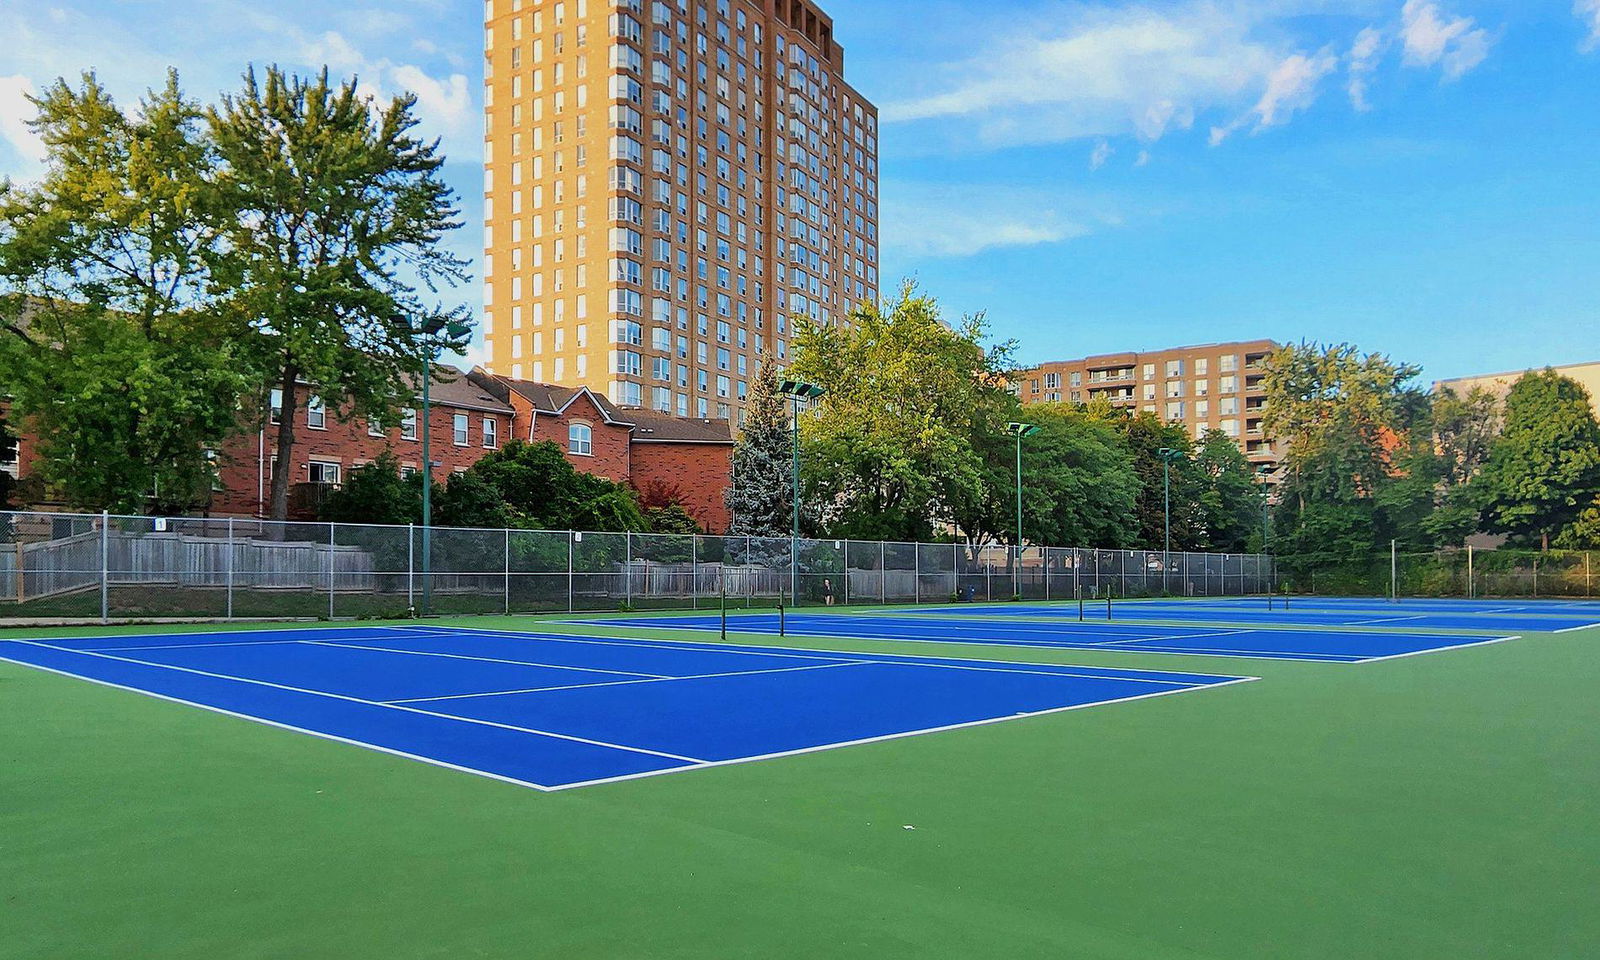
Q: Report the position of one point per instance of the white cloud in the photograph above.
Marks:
(1102, 152)
(1137, 70)
(1433, 38)
(15, 112)
(1291, 87)
(1363, 60)
(1589, 12)
(935, 221)
(445, 104)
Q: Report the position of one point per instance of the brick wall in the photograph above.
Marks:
(246, 469)
(609, 442)
(693, 474)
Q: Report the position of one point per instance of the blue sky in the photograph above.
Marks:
(1420, 177)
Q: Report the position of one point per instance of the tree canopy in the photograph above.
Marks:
(335, 215)
(896, 447)
(1543, 470)
(115, 349)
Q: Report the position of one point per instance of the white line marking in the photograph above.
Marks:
(282, 726)
(1459, 646)
(182, 646)
(898, 736)
(462, 656)
(1363, 623)
(1587, 626)
(804, 653)
(370, 703)
(624, 683)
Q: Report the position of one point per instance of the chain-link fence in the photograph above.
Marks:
(1465, 572)
(76, 566)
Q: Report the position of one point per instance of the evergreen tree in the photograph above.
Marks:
(760, 497)
(1543, 470)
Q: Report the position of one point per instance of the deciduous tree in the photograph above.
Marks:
(1543, 470)
(337, 212)
(113, 345)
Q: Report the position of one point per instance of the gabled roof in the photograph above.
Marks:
(653, 426)
(547, 398)
(455, 388)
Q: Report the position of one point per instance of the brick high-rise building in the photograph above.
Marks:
(667, 184)
(1215, 385)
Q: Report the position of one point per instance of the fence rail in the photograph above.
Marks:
(82, 566)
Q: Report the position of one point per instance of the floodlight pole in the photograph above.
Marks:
(1020, 430)
(1167, 454)
(428, 332)
(799, 392)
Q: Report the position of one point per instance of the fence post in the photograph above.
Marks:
(1471, 590)
(411, 569)
(572, 597)
(508, 573)
(105, 566)
(627, 567)
(1394, 571)
(331, 535)
(883, 571)
(1588, 584)
(694, 569)
(1536, 578)
(916, 573)
(955, 568)
(230, 568)
(988, 576)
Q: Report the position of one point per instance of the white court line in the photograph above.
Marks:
(1459, 646)
(813, 629)
(323, 735)
(802, 653)
(853, 658)
(462, 656)
(1364, 623)
(689, 764)
(1587, 626)
(310, 626)
(370, 703)
(624, 683)
(898, 736)
(182, 646)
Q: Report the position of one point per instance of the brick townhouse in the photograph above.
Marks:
(667, 459)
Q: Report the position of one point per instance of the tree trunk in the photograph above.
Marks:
(282, 462)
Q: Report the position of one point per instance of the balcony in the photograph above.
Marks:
(306, 499)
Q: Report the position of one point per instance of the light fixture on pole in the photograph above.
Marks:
(1168, 456)
(429, 332)
(1019, 430)
(801, 393)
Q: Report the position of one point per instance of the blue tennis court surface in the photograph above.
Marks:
(1526, 616)
(1338, 646)
(552, 711)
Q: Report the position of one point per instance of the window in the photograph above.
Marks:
(580, 440)
(1230, 384)
(316, 413)
(491, 432)
(1174, 368)
(461, 428)
(324, 472)
(275, 406)
(374, 428)
(408, 424)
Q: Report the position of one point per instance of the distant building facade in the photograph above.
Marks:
(1499, 384)
(665, 458)
(1210, 386)
(667, 185)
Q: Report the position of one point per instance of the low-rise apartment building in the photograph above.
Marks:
(1499, 384)
(1209, 386)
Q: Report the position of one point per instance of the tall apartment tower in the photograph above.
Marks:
(668, 184)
